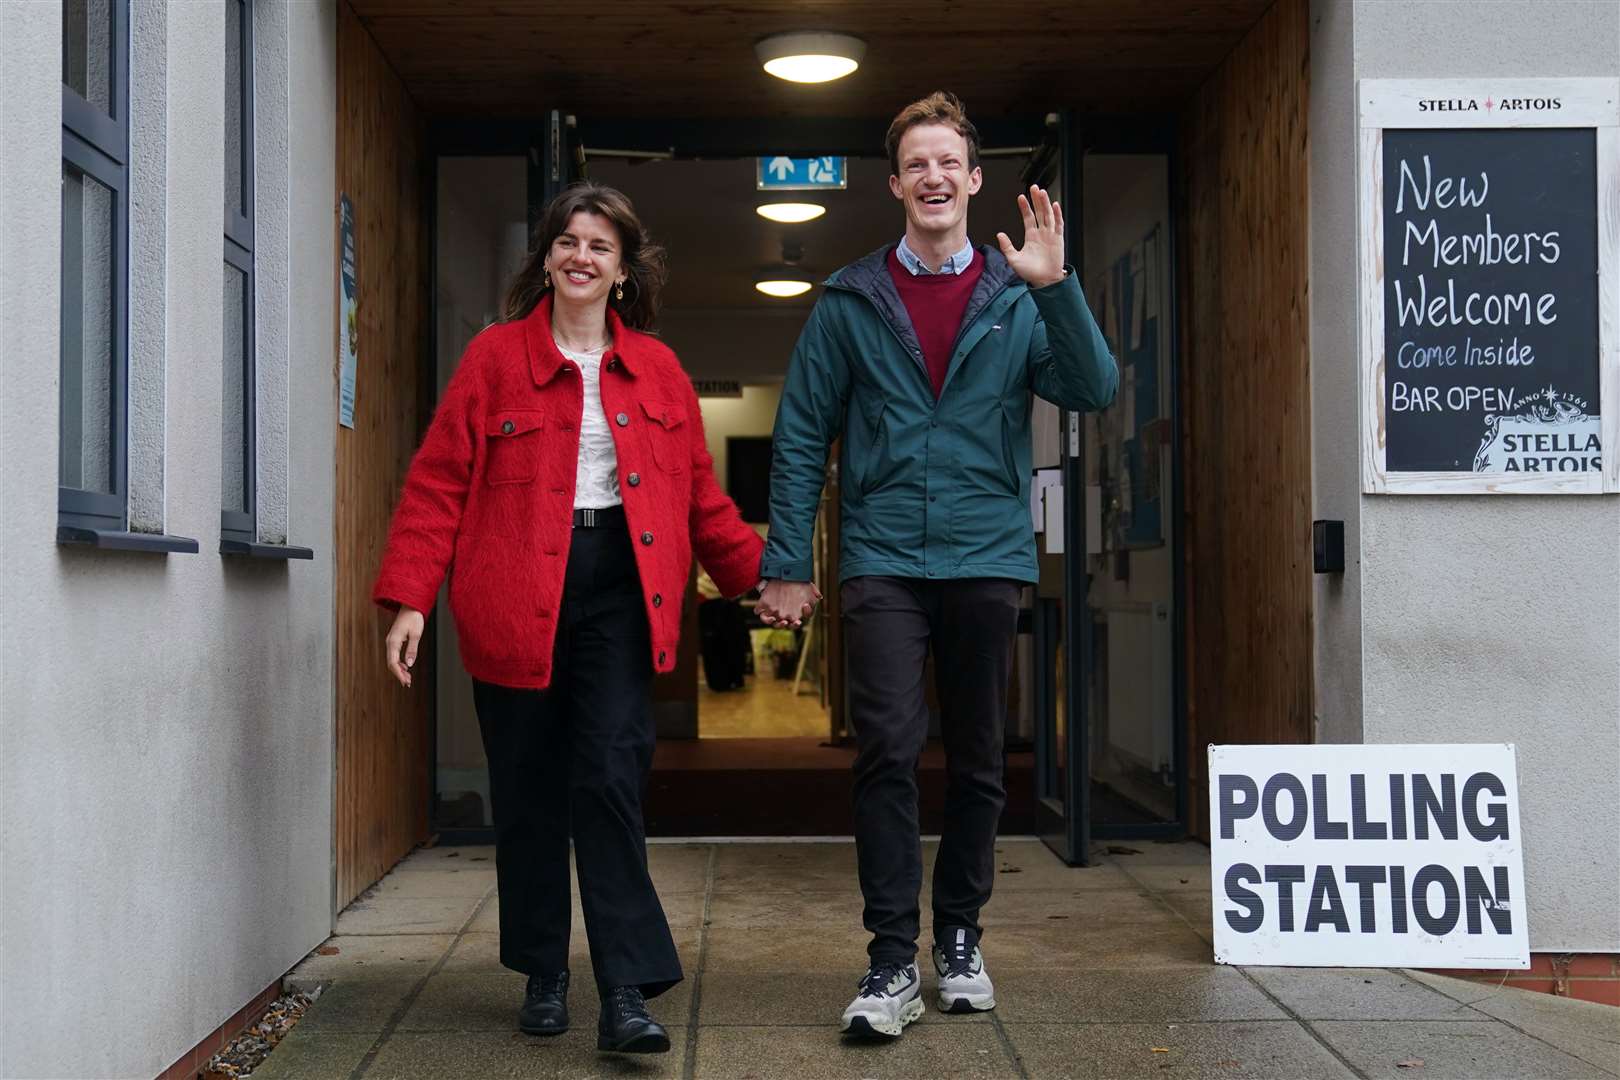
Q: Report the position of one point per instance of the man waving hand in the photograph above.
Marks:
(924, 356)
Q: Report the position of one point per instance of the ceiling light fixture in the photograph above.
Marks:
(782, 286)
(810, 57)
(791, 213)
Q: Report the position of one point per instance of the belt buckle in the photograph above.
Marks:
(589, 518)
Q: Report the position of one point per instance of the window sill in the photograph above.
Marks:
(248, 549)
(116, 540)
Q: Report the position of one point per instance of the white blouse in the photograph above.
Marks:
(596, 475)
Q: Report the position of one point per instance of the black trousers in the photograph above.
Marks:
(572, 760)
(890, 624)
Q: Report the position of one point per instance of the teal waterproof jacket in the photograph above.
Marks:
(930, 489)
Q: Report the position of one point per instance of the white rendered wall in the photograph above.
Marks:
(1467, 618)
(166, 743)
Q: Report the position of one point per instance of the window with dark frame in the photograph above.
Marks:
(237, 517)
(92, 477)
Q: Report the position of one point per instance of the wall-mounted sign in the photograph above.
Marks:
(348, 315)
(717, 388)
(1490, 312)
(1367, 856)
(782, 173)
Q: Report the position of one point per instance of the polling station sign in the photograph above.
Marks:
(1357, 856)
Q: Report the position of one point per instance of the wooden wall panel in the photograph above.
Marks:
(1246, 396)
(382, 752)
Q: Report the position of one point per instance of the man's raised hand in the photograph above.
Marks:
(1040, 261)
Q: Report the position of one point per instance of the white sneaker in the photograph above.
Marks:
(964, 985)
(890, 998)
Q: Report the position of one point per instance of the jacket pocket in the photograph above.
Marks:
(1009, 458)
(512, 439)
(666, 431)
(875, 411)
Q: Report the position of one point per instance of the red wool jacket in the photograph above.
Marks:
(490, 496)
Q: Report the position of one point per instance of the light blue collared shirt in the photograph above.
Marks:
(956, 264)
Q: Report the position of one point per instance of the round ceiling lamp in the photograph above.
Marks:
(784, 282)
(790, 213)
(810, 56)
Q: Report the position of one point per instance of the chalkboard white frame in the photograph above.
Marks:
(1398, 103)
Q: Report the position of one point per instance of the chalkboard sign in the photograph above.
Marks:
(1490, 300)
(1484, 288)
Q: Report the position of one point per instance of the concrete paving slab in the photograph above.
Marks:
(354, 1005)
(407, 956)
(472, 857)
(1129, 853)
(1094, 908)
(1460, 1050)
(1033, 866)
(796, 999)
(405, 915)
(449, 883)
(1170, 879)
(1581, 1029)
(305, 1054)
(738, 908)
(811, 950)
(496, 1055)
(1128, 947)
(1089, 996)
(1265, 1050)
(785, 867)
(1356, 994)
(1196, 908)
(795, 1053)
(455, 1001)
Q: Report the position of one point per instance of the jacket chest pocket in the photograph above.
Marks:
(512, 439)
(666, 431)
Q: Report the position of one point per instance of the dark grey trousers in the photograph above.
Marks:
(890, 624)
(572, 760)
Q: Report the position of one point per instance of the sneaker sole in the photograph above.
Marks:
(966, 1003)
(649, 1043)
(862, 1028)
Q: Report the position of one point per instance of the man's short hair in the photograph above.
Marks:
(937, 108)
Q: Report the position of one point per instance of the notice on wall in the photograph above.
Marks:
(1491, 300)
(1367, 856)
(348, 317)
(1484, 305)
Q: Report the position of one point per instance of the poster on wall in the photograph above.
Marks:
(348, 319)
(1489, 306)
(1130, 440)
(1364, 856)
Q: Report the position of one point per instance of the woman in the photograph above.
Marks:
(565, 484)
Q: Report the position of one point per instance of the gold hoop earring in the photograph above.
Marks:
(618, 293)
(548, 277)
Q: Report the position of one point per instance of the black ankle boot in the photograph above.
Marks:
(545, 1005)
(625, 1027)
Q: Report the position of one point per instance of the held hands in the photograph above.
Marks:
(786, 604)
(1040, 261)
(403, 638)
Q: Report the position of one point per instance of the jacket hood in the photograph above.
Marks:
(864, 274)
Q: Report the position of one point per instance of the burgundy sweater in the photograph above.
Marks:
(935, 303)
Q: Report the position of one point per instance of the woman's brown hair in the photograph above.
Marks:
(643, 261)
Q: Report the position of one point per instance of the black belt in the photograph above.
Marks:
(607, 517)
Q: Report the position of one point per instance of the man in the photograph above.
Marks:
(923, 356)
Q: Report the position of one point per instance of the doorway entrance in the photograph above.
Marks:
(1183, 511)
(751, 716)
